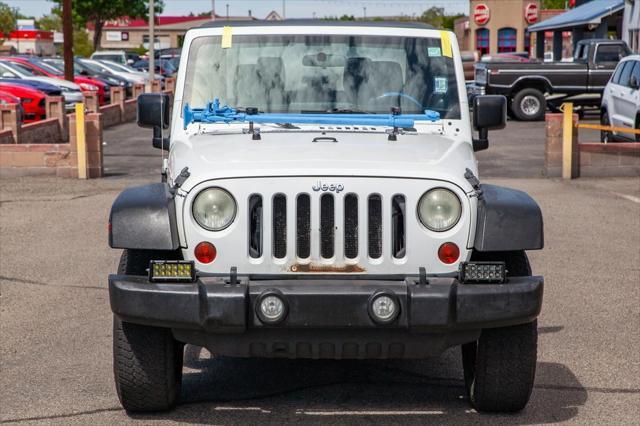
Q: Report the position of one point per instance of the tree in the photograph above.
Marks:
(7, 19)
(98, 12)
(51, 22)
(433, 16)
(554, 4)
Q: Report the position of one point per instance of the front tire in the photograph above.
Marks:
(605, 136)
(499, 368)
(529, 105)
(147, 361)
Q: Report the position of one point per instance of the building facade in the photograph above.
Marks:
(500, 26)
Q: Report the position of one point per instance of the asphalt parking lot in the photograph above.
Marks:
(55, 321)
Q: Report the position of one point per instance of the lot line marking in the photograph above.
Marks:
(261, 410)
(628, 197)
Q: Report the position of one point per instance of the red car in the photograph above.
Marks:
(87, 84)
(32, 100)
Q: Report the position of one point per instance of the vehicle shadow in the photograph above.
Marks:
(230, 391)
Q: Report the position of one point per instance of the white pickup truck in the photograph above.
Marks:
(321, 200)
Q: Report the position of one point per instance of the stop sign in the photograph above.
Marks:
(481, 14)
(531, 13)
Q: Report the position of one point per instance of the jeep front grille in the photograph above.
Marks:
(338, 218)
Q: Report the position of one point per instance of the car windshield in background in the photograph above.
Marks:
(114, 58)
(323, 73)
(117, 66)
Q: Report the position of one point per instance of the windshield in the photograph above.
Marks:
(26, 70)
(117, 66)
(50, 67)
(323, 73)
(101, 57)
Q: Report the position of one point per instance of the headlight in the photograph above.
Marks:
(439, 209)
(214, 209)
(89, 87)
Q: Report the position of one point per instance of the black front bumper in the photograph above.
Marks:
(215, 306)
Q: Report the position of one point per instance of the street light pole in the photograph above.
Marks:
(213, 10)
(364, 9)
(67, 32)
(152, 40)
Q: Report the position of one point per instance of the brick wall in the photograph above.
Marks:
(589, 159)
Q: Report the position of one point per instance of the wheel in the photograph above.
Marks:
(605, 136)
(499, 368)
(529, 105)
(147, 361)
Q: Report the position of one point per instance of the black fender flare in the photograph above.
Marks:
(508, 220)
(144, 218)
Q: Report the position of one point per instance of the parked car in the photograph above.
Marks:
(33, 101)
(132, 77)
(119, 56)
(469, 60)
(71, 91)
(84, 69)
(324, 234)
(46, 88)
(526, 84)
(127, 69)
(40, 67)
(621, 101)
(163, 67)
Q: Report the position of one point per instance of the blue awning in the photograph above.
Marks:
(589, 13)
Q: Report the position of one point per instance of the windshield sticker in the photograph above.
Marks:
(440, 85)
(445, 38)
(434, 52)
(226, 38)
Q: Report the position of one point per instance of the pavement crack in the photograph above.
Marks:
(31, 282)
(62, 416)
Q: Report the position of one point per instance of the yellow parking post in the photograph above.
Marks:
(567, 139)
(81, 142)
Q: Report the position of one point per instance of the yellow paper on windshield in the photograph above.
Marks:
(226, 38)
(445, 37)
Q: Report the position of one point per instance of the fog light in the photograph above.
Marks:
(384, 308)
(483, 272)
(271, 308)
(172, 270)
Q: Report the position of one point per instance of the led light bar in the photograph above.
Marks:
(172, 271)
(483, 272)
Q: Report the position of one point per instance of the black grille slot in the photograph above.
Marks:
(303, 226)
(375, 226)
(279, 226)
(255, 226)
(327, 226)
(398, 218)
(351, 226)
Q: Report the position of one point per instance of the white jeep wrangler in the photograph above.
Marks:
(320, 200)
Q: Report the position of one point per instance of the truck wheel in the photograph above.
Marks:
(147, 365)
(147, 361)
(499, 368)
(529, 105)
(605, 136)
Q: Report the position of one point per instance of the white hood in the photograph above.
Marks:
(291, 153)
(58, 82)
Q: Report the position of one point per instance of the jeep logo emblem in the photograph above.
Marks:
(319, 186)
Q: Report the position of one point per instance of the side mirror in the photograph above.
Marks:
(154, 110)
(634, 83)
(489, 113)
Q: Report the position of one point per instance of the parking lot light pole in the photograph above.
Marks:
(152, 41)
(67, 32)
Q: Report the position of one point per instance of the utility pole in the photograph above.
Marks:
(67, 33)
(213, 10)
(364, 9)
(227, 11)
(284, 9)
(152, 40)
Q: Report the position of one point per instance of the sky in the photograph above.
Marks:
(293, 8)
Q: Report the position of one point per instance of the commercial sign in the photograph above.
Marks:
(113, 36)
(531, 14)
(481, 14)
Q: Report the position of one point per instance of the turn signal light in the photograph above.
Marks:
(205, 252)
(448, 253)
